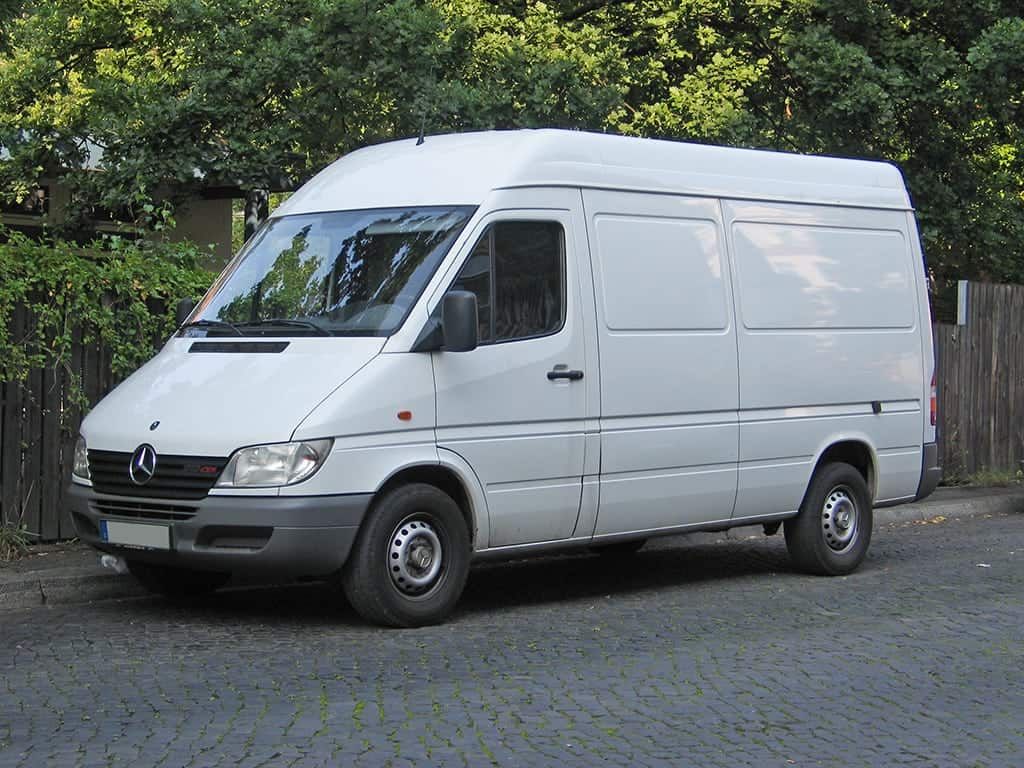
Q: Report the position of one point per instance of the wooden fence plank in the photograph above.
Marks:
(10, 451)
(32, 447)
(981, 383)
(6, 425)
(49, 487)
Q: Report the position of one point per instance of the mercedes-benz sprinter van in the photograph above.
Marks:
(505, 343)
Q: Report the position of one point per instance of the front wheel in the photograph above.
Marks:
(831, 534)
(410, 561)
(177, 583)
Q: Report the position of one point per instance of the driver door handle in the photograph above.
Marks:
(564, 373)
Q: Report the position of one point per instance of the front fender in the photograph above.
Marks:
(474, 490)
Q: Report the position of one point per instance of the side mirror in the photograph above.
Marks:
(184, 309)
(459, 321)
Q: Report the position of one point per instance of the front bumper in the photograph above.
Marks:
(288, 536)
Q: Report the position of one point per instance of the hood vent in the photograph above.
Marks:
(240, 347)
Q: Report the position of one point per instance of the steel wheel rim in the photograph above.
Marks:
(415, 559)
(840, 519)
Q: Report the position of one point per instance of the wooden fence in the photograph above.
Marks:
(38, 428)
(981, 383)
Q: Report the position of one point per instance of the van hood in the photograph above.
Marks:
(211, 403)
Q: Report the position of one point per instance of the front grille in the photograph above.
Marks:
(176, 477)
(144, 510)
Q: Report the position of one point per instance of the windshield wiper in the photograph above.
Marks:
(212, 324)
(286, 322)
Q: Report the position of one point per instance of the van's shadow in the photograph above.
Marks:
(494, 587)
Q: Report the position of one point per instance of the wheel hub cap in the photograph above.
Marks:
(414, 556)
(839, 519)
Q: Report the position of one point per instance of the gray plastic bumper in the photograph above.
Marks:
(931, 472)
(295, 536)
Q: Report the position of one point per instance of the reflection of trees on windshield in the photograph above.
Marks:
(288, 290)
(347, 271)
(373, 269)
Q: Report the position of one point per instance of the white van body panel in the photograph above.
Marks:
(367, 408)
(667, 341)
(463, 169)
(362, 465)
(471, 484)
(372, 443)
(523, 434)
(211, 404)
(828, 324)
(927, 343)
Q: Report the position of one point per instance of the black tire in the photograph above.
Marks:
(393, 576)
(618, 548)
(831, 534)
(177, 583)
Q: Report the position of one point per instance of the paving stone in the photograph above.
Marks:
(693, 652)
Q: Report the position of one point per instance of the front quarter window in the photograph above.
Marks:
(344, 273)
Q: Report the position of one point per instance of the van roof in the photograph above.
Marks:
(462, 169)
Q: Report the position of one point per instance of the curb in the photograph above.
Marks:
(87, 583)
(69, 586)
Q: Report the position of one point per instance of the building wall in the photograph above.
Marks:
(206, 222)
(203, 221)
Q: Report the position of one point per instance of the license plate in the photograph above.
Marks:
(144, 535)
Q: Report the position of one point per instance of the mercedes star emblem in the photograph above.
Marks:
(143, 465)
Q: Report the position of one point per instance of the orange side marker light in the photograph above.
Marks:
(405, 415)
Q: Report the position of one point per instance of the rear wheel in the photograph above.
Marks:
(831, 534)
(177, 582)
(410, 561)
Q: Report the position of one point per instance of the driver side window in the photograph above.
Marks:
(517, 271)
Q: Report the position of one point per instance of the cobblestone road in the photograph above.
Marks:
(688, 654)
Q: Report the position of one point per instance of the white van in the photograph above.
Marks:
(506, 343)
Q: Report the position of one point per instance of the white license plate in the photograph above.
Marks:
(145, 535)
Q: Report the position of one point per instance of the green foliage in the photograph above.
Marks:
(935, 86)
(263, 93)
(987, 478)
(178, 95)
(14, 541)
(115, 292)
(517, 65)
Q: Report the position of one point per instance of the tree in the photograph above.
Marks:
(262, 94)
(935, 86)
(183, 95)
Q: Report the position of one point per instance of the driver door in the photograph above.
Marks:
(514, 407)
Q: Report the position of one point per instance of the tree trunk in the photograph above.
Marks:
(257, 209)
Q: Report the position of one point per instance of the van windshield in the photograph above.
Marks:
(345, 273)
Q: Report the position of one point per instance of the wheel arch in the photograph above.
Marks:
(452, 479)
(855, 450)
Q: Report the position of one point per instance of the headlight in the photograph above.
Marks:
(80, 469)
(264, 466)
